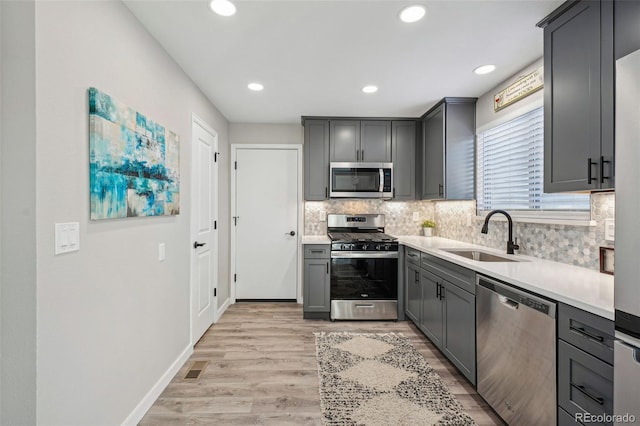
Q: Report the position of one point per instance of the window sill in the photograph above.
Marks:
(541, 221)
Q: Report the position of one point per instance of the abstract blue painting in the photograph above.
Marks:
(134, 162)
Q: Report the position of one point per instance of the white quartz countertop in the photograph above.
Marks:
(315, 239)
(583, 288)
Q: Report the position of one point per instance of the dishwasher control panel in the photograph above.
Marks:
(534, 304)
(517, 296)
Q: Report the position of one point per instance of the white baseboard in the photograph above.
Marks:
(143, 406)
(222, 309)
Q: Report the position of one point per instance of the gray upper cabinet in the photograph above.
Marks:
(345, 141)
(360, 141)
(578, 97)
(316, 160)
(403, 135)
(375, 141)
(446, 153)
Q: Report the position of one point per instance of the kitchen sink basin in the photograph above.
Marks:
(480, 256)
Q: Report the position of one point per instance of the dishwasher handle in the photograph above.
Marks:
(508, 302)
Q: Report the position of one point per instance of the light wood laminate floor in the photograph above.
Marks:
(262, 370)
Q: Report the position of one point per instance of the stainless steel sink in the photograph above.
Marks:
(480, 256)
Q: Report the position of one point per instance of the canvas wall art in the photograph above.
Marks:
(134, 162)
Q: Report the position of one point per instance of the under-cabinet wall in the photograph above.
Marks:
(575, 245)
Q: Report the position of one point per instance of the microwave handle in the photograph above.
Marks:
(381, 183)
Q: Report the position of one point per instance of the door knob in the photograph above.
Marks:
(292, 233)
(197, 244)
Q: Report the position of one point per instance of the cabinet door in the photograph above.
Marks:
(403, 142)
(572, 106)
(316, 160)
(460, 151)
(414, 293)
(375, 141)
(345, 141)
(459, 336)
(317, 284)
(433, 155)
(431, 324)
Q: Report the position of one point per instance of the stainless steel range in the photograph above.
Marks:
(364, 268)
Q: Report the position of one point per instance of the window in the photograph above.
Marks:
(510, 172)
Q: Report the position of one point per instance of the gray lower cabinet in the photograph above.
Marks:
(317, 282)
(459, 334)
(432, 320)
(446, 153)
(440, 300)
(403, 137)
(585, 365)
(579, 97)
(413, 306)
(316, 160)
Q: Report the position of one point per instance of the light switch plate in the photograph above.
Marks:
(323, 216)
(161, 252)
(610, 229)
(67, 237)
(416, 216)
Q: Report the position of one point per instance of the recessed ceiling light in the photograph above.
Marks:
(370, 89)
(485, 69)
(412, 13)
(256, 87)
(223, 7)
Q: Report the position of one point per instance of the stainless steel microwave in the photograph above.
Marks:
(361, 180)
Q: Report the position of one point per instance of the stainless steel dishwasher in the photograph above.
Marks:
(516, 366)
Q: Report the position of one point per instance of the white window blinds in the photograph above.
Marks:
(510, 169)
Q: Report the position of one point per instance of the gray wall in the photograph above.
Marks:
(111, 319)
(18, 214)
(246, 133)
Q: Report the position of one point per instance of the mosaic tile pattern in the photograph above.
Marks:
(398, 215)
(575, 245)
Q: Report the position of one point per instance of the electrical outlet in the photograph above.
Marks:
(323, 216)
(416, 216)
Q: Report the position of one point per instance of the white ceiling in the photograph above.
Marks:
(314, 57)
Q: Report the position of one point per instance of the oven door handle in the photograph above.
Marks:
(364, 255)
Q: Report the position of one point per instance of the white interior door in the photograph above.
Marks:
(204, 242)
(266, 249)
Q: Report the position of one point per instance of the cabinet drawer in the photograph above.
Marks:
(457, 275)
(589, 332)
(566, 419)
(412, 256)
(585, 383)
(317, 251)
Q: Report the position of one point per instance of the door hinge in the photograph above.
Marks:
(235, 165)
(235, 278)
(215, 292)
(215, 224)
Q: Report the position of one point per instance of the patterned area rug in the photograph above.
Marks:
(381, 379)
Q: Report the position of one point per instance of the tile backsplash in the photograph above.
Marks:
(576, 245)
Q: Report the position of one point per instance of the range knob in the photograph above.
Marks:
(345, 247)
(387, 247)
(378, 247)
